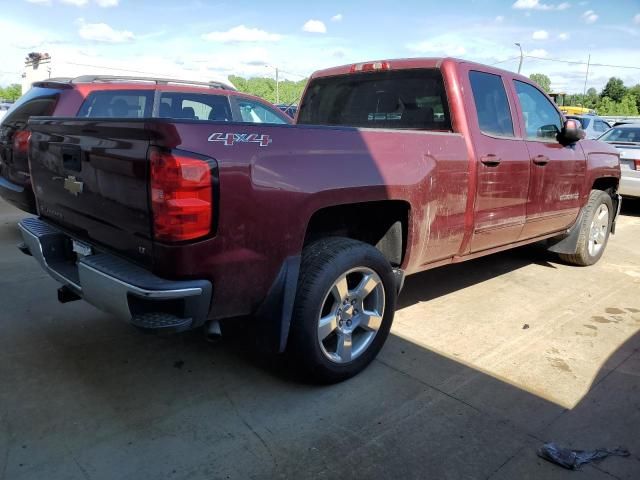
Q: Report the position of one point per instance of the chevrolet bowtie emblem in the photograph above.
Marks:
(72, 185)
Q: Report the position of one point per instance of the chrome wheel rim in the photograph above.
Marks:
(351, 315)
(598, 230)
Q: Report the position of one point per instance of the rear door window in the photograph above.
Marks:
(541, 120)
(492, 105)
(117, 104)
(402, 99)
(195, 106)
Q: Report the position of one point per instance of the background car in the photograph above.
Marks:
(4, 107)
(289, 109)
(626, 138)
(121, 97)
(593, 125)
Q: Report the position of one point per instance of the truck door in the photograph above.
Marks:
(502, 164)
(557, 171)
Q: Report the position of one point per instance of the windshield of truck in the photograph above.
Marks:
(403, 99)
(626, 135)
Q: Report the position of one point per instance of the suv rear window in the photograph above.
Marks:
(118, 104)
(403, 99)
(38, 101)
(194, 106)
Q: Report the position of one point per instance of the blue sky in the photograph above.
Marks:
(198, 39)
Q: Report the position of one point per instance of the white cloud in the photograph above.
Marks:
(439, 48)
(337, 18)
(537, 5)
(76, 3)
(107, 3)
(499, 19)
(101, 32)
(314, 26)
(636, 19)
(242, 34)
(563, 36)
(590, 16)
(540, 35)
(40, 2)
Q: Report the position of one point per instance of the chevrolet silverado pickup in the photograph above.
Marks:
(393, 167)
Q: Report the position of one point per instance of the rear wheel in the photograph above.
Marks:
(343, 311)
(594, 231)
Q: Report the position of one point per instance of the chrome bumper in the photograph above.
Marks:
(115, 285)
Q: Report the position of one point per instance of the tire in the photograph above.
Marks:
(591, 243)
(330, 340)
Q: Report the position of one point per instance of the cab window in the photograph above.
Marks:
(255, 112)
(492, 106)
(541, 120)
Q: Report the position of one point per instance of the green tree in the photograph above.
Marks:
(635, 91)
(614, 89)
(542, 80)
(11, 93)
(288, 90)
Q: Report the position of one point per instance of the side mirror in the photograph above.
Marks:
(571, 132)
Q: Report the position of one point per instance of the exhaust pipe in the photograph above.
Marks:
(213, 332)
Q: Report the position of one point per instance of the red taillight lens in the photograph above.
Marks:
(21, 142)
(370, 67)
(637, 164)
(181, 196)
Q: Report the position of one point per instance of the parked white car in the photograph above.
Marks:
(626, 138)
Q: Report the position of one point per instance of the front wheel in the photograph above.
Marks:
(594, 230)
(343, 311)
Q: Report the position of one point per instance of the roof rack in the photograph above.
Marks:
(157, 81)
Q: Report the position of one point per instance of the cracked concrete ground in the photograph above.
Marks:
(486, 360)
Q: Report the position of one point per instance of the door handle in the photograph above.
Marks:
(541, 160)
(490, 160)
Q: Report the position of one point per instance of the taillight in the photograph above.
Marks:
(181, 196)
(370, 67)
(21, 142)
(637, 164)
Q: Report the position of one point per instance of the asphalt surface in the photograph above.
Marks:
(486, 361)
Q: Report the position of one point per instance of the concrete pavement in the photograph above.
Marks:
(486, 360)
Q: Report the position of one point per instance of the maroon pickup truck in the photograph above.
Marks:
(394, 167)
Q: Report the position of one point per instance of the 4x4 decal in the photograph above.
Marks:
(230, 139)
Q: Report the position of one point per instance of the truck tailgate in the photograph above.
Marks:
(91, 179)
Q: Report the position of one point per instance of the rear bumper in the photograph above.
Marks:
(630, 184)
(17, 195)
(115, 285)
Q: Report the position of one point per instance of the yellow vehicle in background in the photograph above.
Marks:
(567, 109)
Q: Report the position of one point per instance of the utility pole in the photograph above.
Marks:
(586, 77)
(521, 57)
(277, 87)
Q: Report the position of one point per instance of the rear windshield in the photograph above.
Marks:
(583, 120)
(629, 134)
(38, 101)
(117, 104)
(403, 99)
(195, 106)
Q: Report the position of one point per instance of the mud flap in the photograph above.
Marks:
(568, 243)
(273, 317)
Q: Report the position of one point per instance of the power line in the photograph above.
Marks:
(574, 62)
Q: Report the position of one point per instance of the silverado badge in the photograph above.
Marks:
(72, 185)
